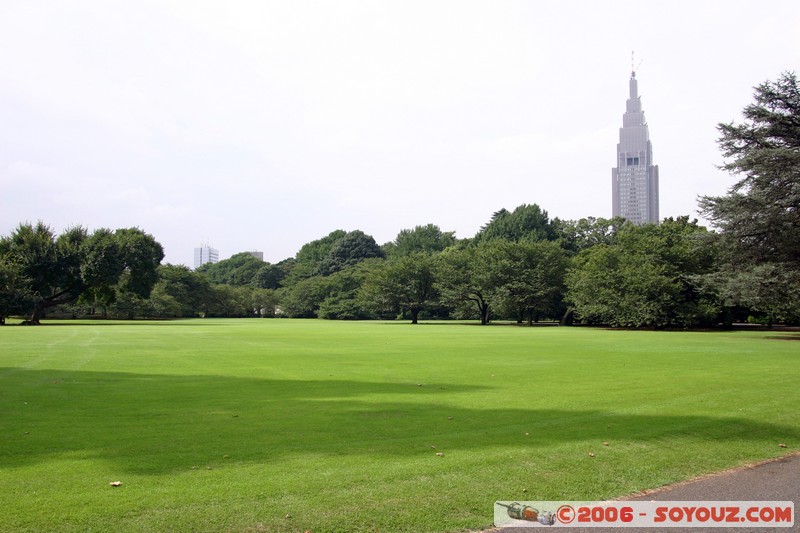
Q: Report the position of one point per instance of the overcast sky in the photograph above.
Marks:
(263, 125)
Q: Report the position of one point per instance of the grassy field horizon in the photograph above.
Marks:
(310, 425)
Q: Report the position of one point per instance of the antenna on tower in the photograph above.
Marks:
(634, 65)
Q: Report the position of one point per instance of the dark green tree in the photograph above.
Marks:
(269, 276)
(578, 235)
(334, 296)
(15, 295)
(180, 292)
(302, 298)
(758, 220)
(429, 239)
(647, 278)
(527, 278)
(141, 255)
(342, 301)
(227, 301)
(238, 270)
(354, 247)
(463, 275)
(610, 286)
(309, 259)
(403, 284)
(528, 222)
(263, 302)
(61, 269)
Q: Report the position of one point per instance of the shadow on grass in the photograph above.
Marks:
(795, 337)
(153, 424)
(48, 323)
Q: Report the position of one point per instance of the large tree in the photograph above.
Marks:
(341, 301)
(428, 239)
(238, 270)
(352, 248)
(646, 278)
(608, 285)
(180, 292)
(759, 218)
(268, 276)
(15, 295)
(463, 277)
(527, 278)
(404, 284)
(311, 255)
(333, 296)
(528, 222)
(61, 269)
(577, 235)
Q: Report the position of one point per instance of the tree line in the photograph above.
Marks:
(521, 265)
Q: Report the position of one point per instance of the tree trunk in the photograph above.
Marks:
(64, 297)
(36, 315)
(727, 318)
(414, 315)
(484, 309)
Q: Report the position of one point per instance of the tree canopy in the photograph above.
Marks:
(352, 248)
(238, 270)
(647, 278)
(15, 294)
(427, 239)
(404, 284)
(528, 222)
(759, 218)
(60, 269)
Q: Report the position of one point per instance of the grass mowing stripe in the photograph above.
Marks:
(282, 425)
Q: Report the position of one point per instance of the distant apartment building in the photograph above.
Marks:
(257, 255)
(205, 254)
(634, 181)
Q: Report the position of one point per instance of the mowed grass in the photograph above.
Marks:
(282, 425)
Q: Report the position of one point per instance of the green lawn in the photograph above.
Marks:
(283, 425)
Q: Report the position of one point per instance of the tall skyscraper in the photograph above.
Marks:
(205, 254)
(634, 181)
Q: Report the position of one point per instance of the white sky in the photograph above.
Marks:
(263, 125)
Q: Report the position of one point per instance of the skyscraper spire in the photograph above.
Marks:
(633, 66)
(634, 181)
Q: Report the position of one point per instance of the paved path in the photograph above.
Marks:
(776, 480)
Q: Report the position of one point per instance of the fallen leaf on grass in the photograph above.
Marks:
(439, 454)
(782, 445)
(605, 443)
(591, 454)
(115, 483)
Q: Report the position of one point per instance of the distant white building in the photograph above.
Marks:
(257, 255)
(205, 254)
(634, 181)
